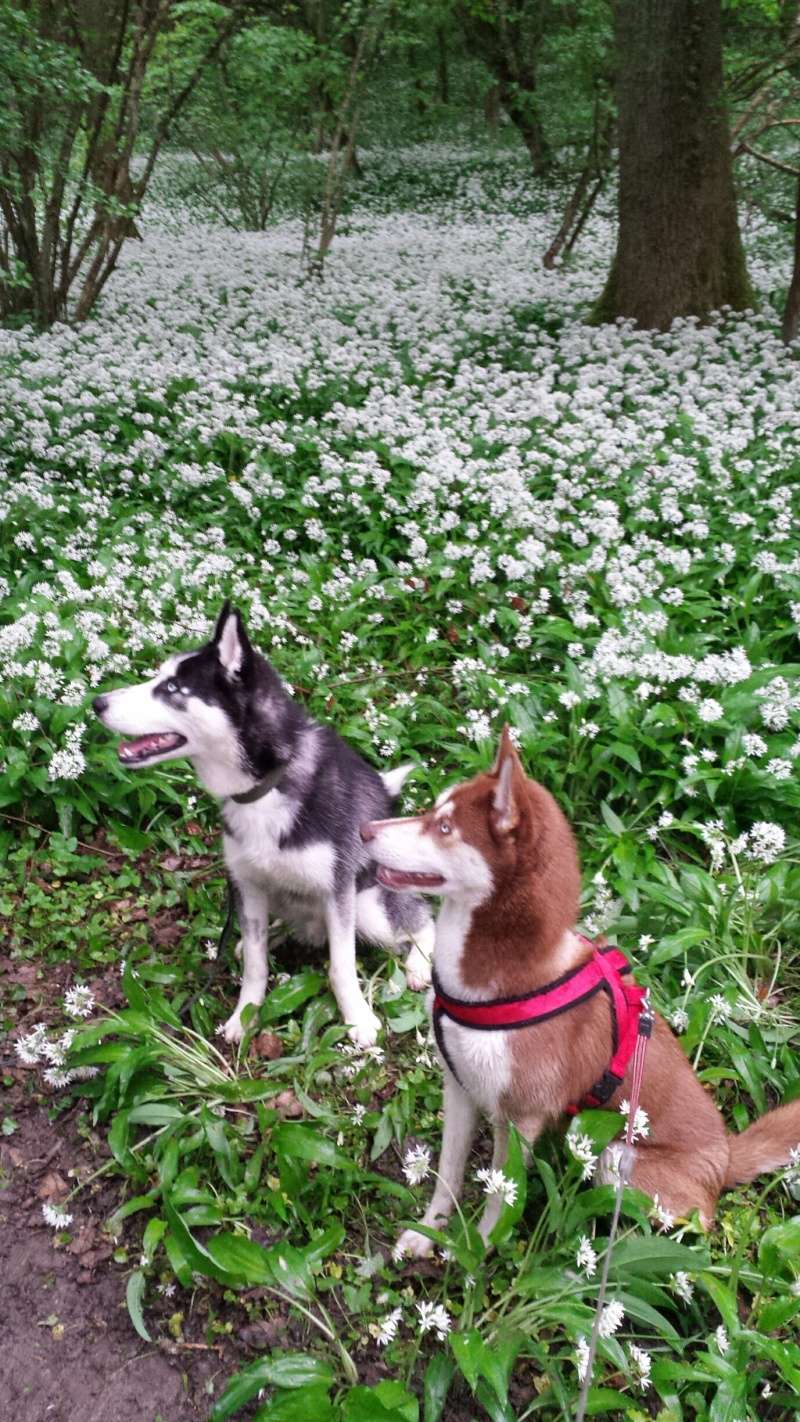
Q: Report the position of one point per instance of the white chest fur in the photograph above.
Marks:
(482, 1060)
(253, 847)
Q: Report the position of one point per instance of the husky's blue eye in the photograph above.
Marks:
(171, 687)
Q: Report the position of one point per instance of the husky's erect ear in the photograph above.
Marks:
(232, 643)
(509, 791)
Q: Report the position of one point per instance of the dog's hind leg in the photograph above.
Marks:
(340, 920)
(252, 909)
(375, 923)
(460, 1120)
(679, 1181)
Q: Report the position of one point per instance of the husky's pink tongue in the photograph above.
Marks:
(407, 879)
(149, 745)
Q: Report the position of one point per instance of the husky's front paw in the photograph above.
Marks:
(364, 1031)
(418, 970)
(233, 1031)
(413, 1245)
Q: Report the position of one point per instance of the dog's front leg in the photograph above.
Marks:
(460, 1120)
(252, 909)
(340, 920)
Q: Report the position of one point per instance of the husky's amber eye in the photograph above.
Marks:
(445, 827)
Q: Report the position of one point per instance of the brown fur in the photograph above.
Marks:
(516, 943)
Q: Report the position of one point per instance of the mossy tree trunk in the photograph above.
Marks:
(679, 252)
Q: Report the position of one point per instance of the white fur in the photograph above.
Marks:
(229, 647)
(394, 780)
(266, 872)
(414, 847)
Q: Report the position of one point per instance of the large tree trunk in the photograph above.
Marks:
(679, 252)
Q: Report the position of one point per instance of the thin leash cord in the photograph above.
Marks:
(624, 1169)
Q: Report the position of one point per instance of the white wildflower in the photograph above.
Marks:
(641, 1363)
(611, 1319)
(56, 1216)
(434, 1318)
(682, 1285)
(388, 1327)
(494, 1182)
(586, 1257)
(417, 1164)
(582, 1148)
(79, 1001)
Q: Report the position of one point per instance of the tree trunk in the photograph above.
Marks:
(679, 252)
(791, 312)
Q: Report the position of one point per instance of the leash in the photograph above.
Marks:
(228, 929)
(625, 1167)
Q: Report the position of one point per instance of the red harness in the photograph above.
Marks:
(602, 973)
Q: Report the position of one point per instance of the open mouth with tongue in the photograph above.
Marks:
(407, 879)
(145, 747)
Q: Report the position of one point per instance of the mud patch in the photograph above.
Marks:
(69, 1351)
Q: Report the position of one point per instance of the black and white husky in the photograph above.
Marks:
(294, 796)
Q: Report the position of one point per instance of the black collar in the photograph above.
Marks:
(261, 787)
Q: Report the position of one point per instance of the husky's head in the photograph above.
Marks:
(479, 836)
(206, 705)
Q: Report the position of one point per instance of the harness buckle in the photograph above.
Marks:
(604, 1089)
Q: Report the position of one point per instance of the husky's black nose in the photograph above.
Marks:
(367, 832)
(99, 705)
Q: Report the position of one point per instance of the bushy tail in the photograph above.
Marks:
(764, 1146)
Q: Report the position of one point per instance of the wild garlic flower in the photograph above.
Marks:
(611, 1319)
(417, 1164)
(586, 1257)
(79, 1001)
(434, 1318)
(56, 1216)
(582, 1148)
(641, 1363)
(682, 1285)
(387, 1329)
(494, 1182)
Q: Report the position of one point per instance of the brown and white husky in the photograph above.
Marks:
(500, 854)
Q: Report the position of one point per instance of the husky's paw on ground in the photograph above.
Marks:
(413, 1245)
(364, 1031)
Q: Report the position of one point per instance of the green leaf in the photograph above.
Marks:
(243, 1260)
(198, 1258)
(438, 1376)
(298, 1370)
(653, 1255)
(626, 753)
(611, 819)
(155, 1113)
(303, 1143)
(287, 997)
(134, 1295)
(387, 1402)
(306, 1404)
(780, 1247)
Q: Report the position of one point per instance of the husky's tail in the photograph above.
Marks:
(766, 1145)
(394, 779)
